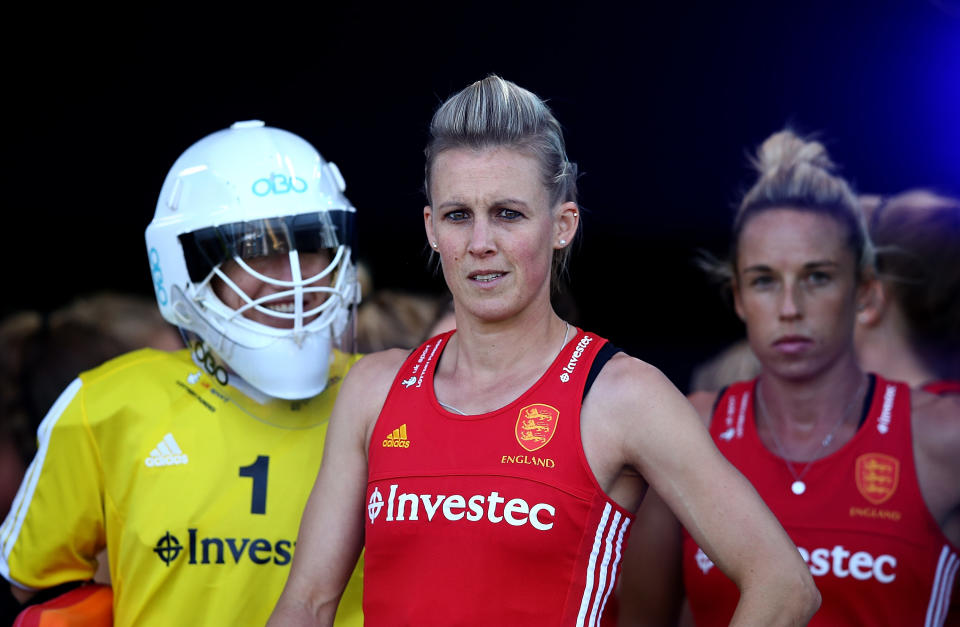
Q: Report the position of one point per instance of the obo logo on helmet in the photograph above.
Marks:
(157, 274)
(279, 184)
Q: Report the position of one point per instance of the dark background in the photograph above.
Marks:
(660, 103)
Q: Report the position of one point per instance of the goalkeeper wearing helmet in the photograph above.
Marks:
(192, 468)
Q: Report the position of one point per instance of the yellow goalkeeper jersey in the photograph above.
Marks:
(195, 489)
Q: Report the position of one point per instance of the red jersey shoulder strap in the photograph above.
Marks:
(574, 363)
(889, 411)
(416, 373)
(732, 407)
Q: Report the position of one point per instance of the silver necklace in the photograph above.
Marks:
(451, 408)
(798, 487)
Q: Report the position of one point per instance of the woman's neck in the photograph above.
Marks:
(885, 349)
(806, 404)
(487, 365)
(804, 421)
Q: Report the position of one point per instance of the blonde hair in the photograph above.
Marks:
(797, 173)
(495, 113)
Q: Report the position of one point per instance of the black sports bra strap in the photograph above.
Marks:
(716, 401)
(868, 399)
(606, 351)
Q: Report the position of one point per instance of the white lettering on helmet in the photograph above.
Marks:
(842, 563)
(515, 512)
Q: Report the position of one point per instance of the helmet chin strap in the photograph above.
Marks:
(190, 319)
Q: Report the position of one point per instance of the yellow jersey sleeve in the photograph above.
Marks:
(55, 526)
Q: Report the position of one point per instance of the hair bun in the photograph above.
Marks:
(785, 150)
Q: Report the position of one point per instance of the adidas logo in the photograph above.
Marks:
(167, 453)
(397, 439)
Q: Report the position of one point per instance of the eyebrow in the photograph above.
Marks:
(810, 265)
(495, 203)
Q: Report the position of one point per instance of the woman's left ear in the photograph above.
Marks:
(428, 226)
(568, 219)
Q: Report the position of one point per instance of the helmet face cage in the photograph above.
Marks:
(236, 198)
(207, 250)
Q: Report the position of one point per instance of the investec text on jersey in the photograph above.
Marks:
(258, 550)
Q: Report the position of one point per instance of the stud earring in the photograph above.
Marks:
(575, 214)
(435, 245)
(563, 242)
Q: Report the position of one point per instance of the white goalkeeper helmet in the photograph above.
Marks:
(249, 250)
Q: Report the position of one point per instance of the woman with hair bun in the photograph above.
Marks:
(910, 330)
(860, 470)
(492, 473)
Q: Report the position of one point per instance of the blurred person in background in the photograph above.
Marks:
(388, 318)
(734, 363)
(910, 329)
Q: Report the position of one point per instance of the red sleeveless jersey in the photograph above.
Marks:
(493, 519)
(875, 552)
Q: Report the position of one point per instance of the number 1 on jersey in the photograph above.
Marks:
(258, 472)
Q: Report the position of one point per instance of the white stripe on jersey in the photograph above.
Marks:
(602, 579)
(21, 503)
(942, 587)
(588, 587)
(616, 563)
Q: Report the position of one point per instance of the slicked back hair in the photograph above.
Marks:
(495, 113)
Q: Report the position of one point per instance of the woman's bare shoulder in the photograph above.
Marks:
(370, 378)
(380, 364)
(633, 382)
(936, 424)
(626, 369)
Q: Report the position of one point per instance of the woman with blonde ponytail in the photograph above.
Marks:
(492, 474)
(860, 470)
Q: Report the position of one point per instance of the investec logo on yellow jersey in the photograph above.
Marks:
(397, 439)
(455, 507)
(219, 550)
